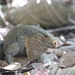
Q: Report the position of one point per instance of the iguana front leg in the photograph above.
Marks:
(11, 51)
(16, 48)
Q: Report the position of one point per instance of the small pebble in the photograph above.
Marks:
(26, 73)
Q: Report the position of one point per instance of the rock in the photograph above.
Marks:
(22, 60)
(3, 63)
(50, 50)
(13, 66)
(68, 48)
(59, 52)
(39, 71)
(46, 58)
(67, 60)
(59, 71)
(27, 73)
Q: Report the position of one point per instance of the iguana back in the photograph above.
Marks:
(19, 30)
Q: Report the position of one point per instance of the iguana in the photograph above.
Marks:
(27, 40)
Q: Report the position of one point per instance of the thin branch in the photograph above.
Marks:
(3, 18)
(62, 29)
(9, 7)
(71, 20)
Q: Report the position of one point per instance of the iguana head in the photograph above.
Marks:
(38, 42)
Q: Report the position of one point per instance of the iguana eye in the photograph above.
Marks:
(45, 36)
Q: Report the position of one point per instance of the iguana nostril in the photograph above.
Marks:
(55, 43)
